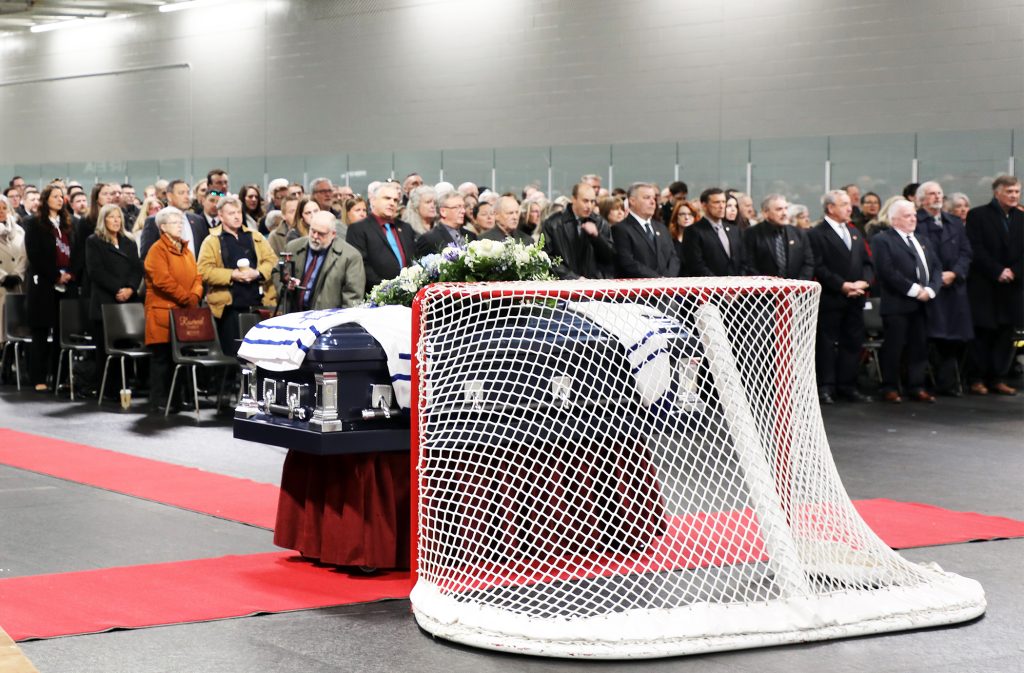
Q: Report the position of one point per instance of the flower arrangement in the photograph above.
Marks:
(482, 260)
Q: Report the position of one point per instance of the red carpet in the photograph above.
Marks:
(45, 606)
(189, 488)
(909, 524)
(234, 586)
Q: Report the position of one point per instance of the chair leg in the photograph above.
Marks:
(195, 391)
(170, 394)
(17, 364)
(220, 391)
(60, 368)
(71, 374)
(103, 381)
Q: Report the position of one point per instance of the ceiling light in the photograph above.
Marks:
(178, 6)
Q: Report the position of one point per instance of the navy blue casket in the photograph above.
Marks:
(339, 401)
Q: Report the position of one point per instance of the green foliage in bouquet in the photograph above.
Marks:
(479, 261)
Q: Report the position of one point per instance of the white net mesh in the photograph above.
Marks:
(617, 469)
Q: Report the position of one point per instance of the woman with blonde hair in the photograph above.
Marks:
(149, 208)
(882, 222)
(112, 266)
(421, 211)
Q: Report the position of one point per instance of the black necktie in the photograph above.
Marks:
(922, 270)
(649, 231)
(779, 250)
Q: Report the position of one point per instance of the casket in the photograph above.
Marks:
(339, 401)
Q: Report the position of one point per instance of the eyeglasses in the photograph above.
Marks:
(214, 192)
(323, 191)
(453, 207)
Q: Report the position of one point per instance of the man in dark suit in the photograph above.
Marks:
(506, 223)
(643, 247)
(194, 233)
(581, 238)
(843, 267)
(996, 285)
(710, 246)
(949, 316)
(386, 243)
(909, 277)
(776, 248)
(449, 228)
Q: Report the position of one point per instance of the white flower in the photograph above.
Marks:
(486, 248)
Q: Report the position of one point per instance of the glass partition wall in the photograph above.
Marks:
(799, 168)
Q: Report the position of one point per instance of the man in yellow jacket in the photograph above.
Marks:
(236, 264)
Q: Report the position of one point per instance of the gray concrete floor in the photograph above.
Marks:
(963, 454)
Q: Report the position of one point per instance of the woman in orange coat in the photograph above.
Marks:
(172, 281)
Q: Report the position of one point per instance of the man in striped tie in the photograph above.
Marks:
(386, 243)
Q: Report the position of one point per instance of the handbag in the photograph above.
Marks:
(193, 324)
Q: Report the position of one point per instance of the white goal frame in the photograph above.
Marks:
(818, 571)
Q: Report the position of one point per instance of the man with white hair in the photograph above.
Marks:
(949, 317)
(328, 271)
(386, 243)
(909, 276)
(506, 223)
(469, 189)
(844, 269)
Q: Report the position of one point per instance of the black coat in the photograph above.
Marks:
(997, 244)
(835, 265)
(496, 234)
(42, 299)
(759, 252)
(896, 268)
(150, 233)
(949, 316)
(703, 254)
(379, 261)
(582, 254)
(111, 269)
(437, 239)
(636, 257)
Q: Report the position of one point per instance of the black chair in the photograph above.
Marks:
(124, 336)
(16, 332)
(72, 340)
(873, 336)
(197, 354)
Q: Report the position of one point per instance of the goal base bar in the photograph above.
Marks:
(703, 628)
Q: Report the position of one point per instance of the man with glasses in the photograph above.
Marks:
(323, 194)
(386, 243)
(452, 208)
(328, 271)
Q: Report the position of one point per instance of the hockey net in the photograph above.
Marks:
(638, 469)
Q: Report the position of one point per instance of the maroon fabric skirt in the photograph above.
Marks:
(349, 510)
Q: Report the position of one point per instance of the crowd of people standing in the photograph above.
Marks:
(949, 277)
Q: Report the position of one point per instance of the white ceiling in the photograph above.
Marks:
(18, 15)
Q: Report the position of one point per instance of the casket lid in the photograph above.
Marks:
(348, 342)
